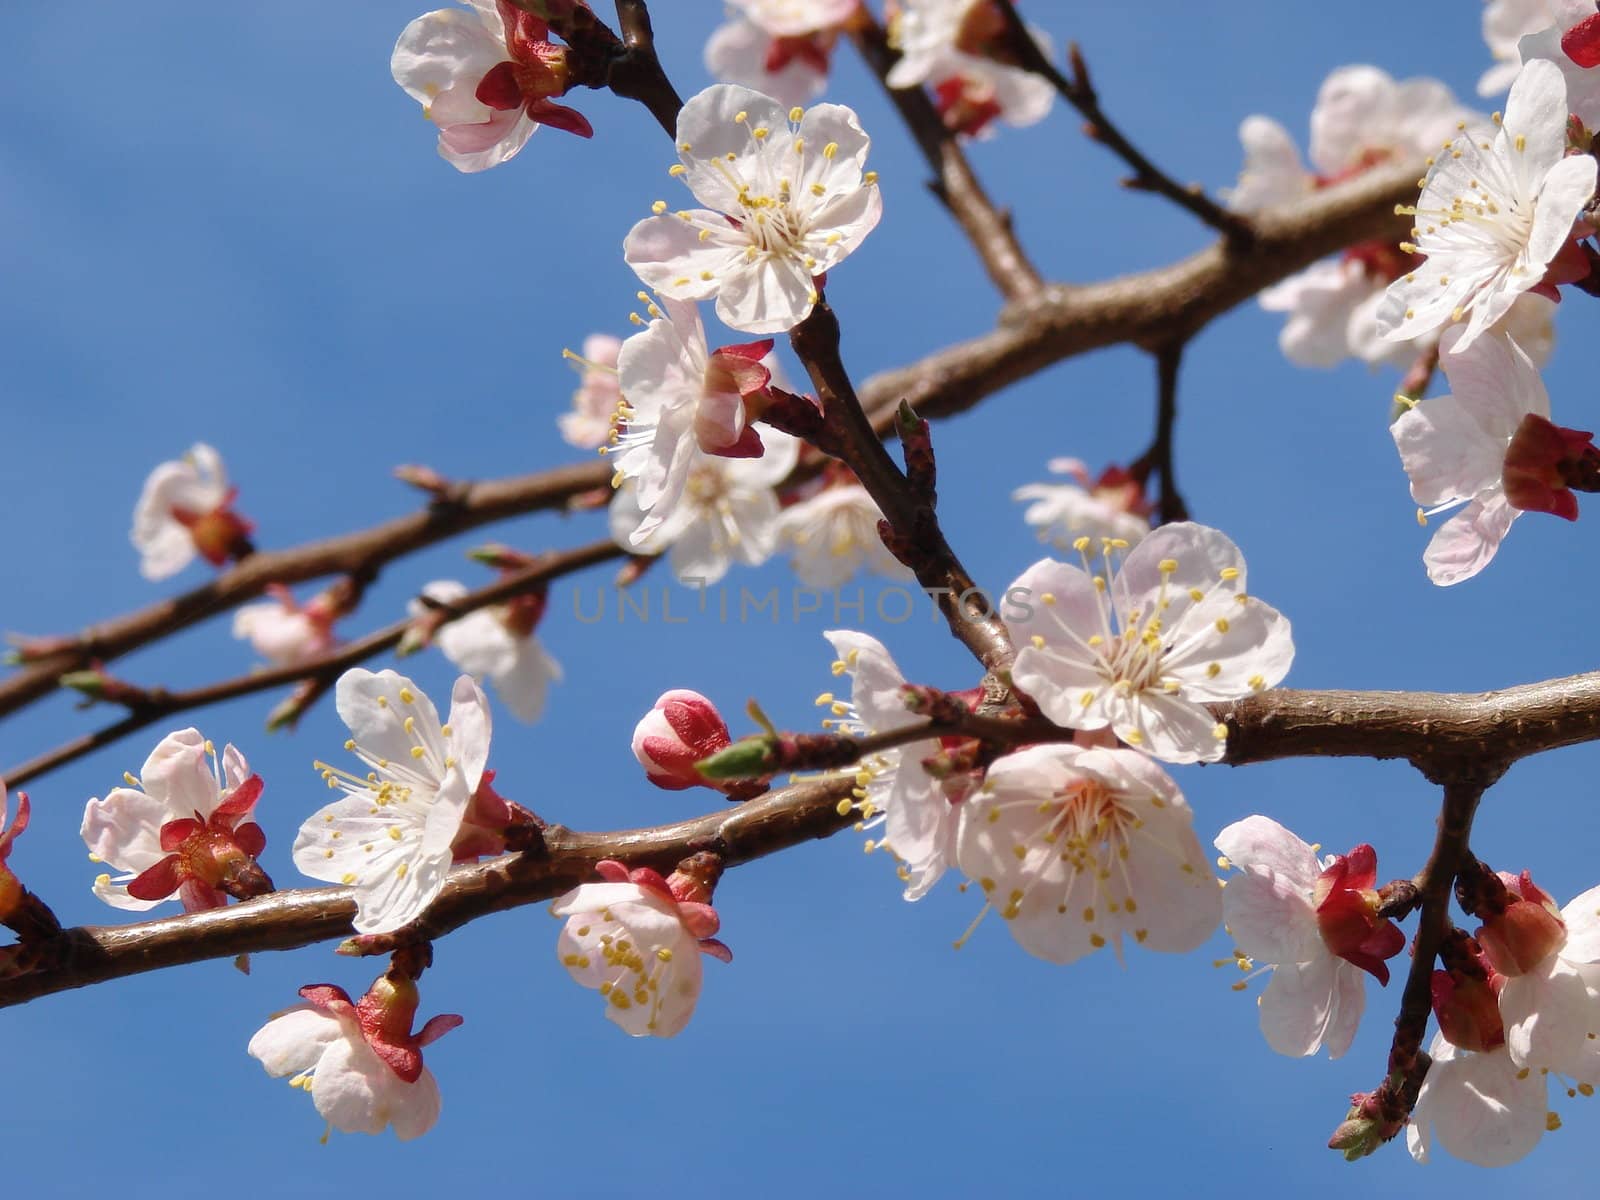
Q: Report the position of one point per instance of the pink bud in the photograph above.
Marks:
(678, 732)
(1527, 932)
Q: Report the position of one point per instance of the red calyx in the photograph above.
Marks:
(535, 71)
(208, 860)
(1347, 914)
(963, 107)
(1545, 463)
(384, 1016)
(1581, 43)
(219, 535)
(1120, 488)
(1381, 261)
(813, 49)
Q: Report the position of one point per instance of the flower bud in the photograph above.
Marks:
(683, 728)
(1526, 932)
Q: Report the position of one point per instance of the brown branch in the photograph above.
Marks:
(1152, 308)
(1445, 734)
(147, 706)
(1147, 309)
(291, 919)
(1157, 460)
(909, 511)
(353, 553)
(955, 185)
(1079, 92)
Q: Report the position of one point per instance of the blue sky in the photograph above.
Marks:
(233, 227)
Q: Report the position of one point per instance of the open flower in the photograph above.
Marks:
(186, 508)
(1572, 43)
(1481, 1107)
(728, 512)
(638, 938)
(1079, 847)
(918, 812)
(778, 47)
(498, 644)
(393, 836)
(594, 404)
(1550, 1000)
(183, 826)
(360, 1061)
(1145, 649)
(1363, 117)
(833, 533)
(284, 631)
(1313, 924)
(485, 79)
(1112, 506)
(1493, 217)
(959, 48)
(1458, 449)
(677, 397)
(787, 200)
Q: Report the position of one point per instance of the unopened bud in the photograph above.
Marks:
(682, 735)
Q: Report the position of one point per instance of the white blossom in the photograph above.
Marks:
(594, 404)
(1492, 216)
(833, 533)
(498, 644)
(1481, 1107)
(390, 837)
(795, 184)
(944, 43)
(183, 510)
(1143, 650)
(1112, 506)
(727, 512)
(1078, 847)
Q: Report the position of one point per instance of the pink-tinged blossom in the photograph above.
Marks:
(792, 18)
(594, 404)
(682, 728)
(919, 813)
(787, 199)
(1505, 24)
(498, 644)
(958, 48)
(183, 828)
(680, 397)
(285, 632)
(12, 893)
(1313, 924)
(1550, 1001)
(833, 533)
(186, 508)
(1572, 43)
(1078, 847)
(1495, 219)
(1144, 648)
(409, 815)
(792, 70)
(1481, 1107)
(485, 78)
(1363, 117)
(728, 512)
(1456, 449)
(637, 938)
(359, 1060)
(1110, 506)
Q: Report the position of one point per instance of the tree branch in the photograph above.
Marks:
(1157, 459)
(1079, 92)
(151, 705)
(954, 184)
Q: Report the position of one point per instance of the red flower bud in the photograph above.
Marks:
(683, 728)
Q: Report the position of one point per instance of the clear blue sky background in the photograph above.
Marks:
(225, 222)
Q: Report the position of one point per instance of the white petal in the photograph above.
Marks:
(294, 1041)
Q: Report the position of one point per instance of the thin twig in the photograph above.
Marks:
(955, 185)
(1079, 92)
(155, 704)
(1157, 460)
